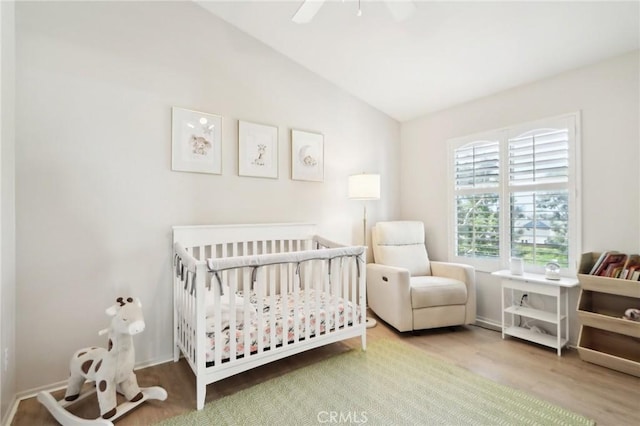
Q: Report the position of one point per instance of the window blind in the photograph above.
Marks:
(477, 165)
(542, 156)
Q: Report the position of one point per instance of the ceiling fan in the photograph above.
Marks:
(400, 9)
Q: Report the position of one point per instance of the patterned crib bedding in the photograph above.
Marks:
(284, 314)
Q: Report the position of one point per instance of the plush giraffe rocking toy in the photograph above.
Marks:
(111, 369)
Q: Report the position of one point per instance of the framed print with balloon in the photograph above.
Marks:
(307, 156)
(196, 141)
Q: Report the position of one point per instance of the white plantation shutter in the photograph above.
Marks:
(538, 193)
(514, 193)
(539, 226)
(540, 156)
(477, 183)
(478, 225)
(478, 165)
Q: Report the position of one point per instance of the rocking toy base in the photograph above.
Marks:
(64, 417)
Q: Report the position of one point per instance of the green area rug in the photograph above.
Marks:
(392, 383)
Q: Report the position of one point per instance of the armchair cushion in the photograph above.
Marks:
(401, 244)
(428, 291)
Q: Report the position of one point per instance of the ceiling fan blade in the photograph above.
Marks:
(401, 10)
(307, 11)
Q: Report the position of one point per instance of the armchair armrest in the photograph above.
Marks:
(457, 271)
(464, 273)
(389, 295)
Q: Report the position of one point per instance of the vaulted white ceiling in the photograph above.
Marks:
(446, 53)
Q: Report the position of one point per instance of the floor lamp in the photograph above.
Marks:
(365, 187)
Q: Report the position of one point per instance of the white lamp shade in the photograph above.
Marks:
(364, 187)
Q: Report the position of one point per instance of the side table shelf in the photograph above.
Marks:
(538, 284)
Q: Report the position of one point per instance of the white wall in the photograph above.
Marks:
(7, 209)
(96, 196)
(607, 94)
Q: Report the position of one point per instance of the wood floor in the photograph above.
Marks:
(608, 397)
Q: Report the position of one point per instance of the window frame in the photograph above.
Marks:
(570, 121)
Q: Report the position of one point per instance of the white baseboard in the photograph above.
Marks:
(11, 413)
(488, 323)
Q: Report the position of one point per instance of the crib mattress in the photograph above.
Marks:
(322, 310)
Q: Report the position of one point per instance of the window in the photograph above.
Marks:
(514, 194)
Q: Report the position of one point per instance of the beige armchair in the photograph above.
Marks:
(408, 291)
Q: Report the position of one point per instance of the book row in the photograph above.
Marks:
(614, 264)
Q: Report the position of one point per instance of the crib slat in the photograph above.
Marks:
(272, 305)
(246, 292)
(335, 294)
(353, 293)
(296, 306)
(217, 326)
(358, 311)
(260, 284)
(345, 297)
(319, 282)
(231, 287)
(284, 285)
(306, 295)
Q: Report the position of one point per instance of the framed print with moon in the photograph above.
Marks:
(307, 156)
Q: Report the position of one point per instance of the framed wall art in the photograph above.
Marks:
(307, 156)
(257, 150)
(196, 141)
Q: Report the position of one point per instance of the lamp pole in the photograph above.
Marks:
(364, 226)
(365, 187)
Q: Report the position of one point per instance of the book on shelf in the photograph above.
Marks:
(609, 263)
(630, 266)
(599, 262)
(613, 264)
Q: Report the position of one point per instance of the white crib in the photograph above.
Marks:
(246, 295)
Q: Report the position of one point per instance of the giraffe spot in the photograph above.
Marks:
(110, 345)
(109, 413)
(80, 354)
(103, 385)
(98, 365)
(71, 397)
(137, 398)
(86, 366)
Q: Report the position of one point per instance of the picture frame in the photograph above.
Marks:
(307, 156)
(257, 150)
(196, 141)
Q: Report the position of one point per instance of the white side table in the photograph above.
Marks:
(538, 284)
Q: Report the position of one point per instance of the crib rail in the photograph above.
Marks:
(238, 305)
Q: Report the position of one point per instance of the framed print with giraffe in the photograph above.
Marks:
(257, 150)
